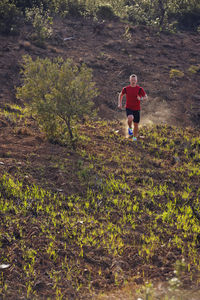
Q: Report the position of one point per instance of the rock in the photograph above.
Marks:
(4, 266)
(25, 44)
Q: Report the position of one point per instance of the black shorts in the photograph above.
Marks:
(134, 113)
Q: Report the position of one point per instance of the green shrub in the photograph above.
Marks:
(60, 7)
(41, 21)
(165, 15)
(105, 12)
(174, 73)
(9, 15)
(137, 14)
(194, 69)
(58, 93)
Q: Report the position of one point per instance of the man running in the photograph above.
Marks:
(134, 94)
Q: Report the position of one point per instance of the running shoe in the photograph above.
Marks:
(130, 131)
(134, 139)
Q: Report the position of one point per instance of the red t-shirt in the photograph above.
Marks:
(131, 96)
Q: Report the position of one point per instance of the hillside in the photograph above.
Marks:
(113, 52)
(76, 224)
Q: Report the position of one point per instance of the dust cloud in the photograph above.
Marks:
(153, 112)
(156, 111)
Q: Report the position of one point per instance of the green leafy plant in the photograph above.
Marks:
(58, 93)
(194, 69)
(165, 15)
(42, 23)
(127, 33)
(174, 73)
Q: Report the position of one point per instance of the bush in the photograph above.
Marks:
(105, 12)
(136, 15)
(174, 73)
(41, 21)
(194, 69)
(9, 16)
(57, 93)
(59, 7)
(165, 14)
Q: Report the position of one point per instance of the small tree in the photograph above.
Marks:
(42, 23)
(57, 93)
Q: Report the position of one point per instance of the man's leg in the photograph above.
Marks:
(130, 118)
(136, 122)
(136, 129)
(130, 121)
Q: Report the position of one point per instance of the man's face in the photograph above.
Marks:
(133, 80)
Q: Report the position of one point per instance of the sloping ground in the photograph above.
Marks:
(77, 223)
(115, 210)
(113, 52)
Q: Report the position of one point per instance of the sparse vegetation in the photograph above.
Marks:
(42, 24)
(194, 69)
(174, 73)
(165, 15)
(140, 211)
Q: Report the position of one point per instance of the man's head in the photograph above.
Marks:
(133, 80)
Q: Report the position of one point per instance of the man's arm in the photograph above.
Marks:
(145, 97)
(120, 100)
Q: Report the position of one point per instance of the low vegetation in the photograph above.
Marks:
(136, 217)
(174, 73)
(165, 15)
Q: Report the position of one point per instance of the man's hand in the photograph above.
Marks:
(120, 96)
(142, 98)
